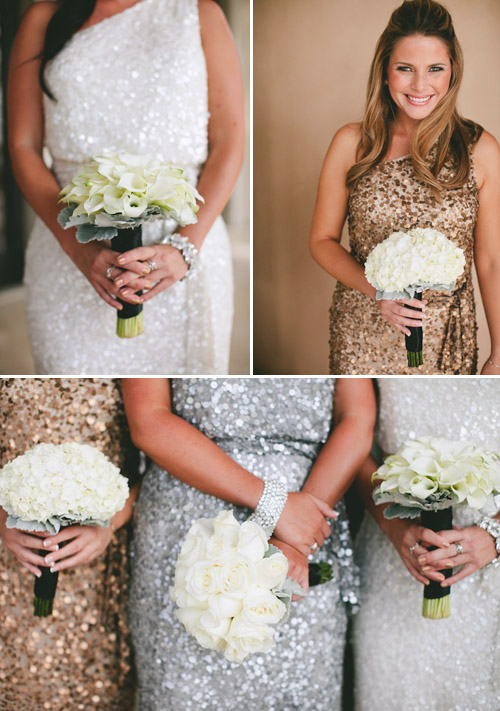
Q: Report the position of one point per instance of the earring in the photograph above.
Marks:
(385, 82)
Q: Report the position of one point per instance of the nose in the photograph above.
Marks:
(419, 82)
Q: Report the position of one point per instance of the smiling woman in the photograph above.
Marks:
(413, 162)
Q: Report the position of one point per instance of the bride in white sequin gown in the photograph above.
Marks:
(404, 661)
(134, 81)
(274, 429)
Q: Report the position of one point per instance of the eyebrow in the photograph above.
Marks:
(432, 64)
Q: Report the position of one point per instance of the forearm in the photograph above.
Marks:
(187, 454)
(41, 190)
(334, 259)
(339, 460)
(215, 185)
(489, 284)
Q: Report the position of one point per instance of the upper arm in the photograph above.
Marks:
(355, 397)
(487, 230)
(143, 399)
(24, 97)
(225, 84)
(331, 203)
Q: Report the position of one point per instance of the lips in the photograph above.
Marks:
(419, 100)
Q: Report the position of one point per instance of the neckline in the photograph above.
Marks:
(391, 160)
(110, 17)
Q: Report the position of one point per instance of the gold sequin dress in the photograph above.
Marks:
(388, 199)
(79, 658)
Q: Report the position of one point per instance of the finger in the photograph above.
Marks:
(32, 542)
(416, 573)
(161, 286)
(33, 569)
(79, 559)
(26, 556)
(326, 530)
(324, 508)
(65, 534)
(106, 297)
(426, 535)
(414, 302)
(139, 254)
(131, 297)
(135, 282)
(454, 535)
(403, 329)
(66, 551)
(409, 322)
(463, 573)
(409, 313)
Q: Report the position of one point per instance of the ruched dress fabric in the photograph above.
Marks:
(134, 82)
(275, 429)
(78, 658)
(389, 199)
(404, 661)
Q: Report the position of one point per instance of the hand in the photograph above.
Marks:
(404, 534)
(489, 369)
(478, 550)
(303, 523)
(85, 543)
(170, 268)
(93, 260)
(23, 544)
(298, 566)
(401, 317)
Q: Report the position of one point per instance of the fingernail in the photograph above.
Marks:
(426, 567)
(148, 285)
(46, 543)
(49, 560)
(421, 559)
(121, 260)
(146, 271)
(119, 282)
(53, 569)
(449, 564)
(446, 544)
(444, 585)
(126, 292)
(55, 548)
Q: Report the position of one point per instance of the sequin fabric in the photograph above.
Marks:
(388, 199)
(404, 661)
(79, 658)
(137, 82)
(274, 428)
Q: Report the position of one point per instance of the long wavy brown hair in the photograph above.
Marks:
(444, 126)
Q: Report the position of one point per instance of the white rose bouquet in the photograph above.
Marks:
(51, 486)
(430, 476)
(113, 195)
(405, 264)
(231, 586)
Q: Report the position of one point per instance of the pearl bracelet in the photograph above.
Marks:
(492, 526)
(270, 506)
(186, 248)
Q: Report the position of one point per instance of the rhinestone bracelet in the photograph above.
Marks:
(270, 506)
(186, 248)
(492, 526)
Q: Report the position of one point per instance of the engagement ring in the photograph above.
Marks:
(412, 548)
(109, 271)
(460, 549)
(152, 265)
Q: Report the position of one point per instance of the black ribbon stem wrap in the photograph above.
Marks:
(436, 603)
(45, 590)
(414, 342)
(130, 319)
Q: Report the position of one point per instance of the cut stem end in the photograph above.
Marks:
(437, 609)
(130, 327)
(414, 359)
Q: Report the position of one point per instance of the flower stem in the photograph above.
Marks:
(130, 327)
(414, 359)
(436, 609)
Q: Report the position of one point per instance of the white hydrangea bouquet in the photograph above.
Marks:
(430, 476)
(405, 264)
(231, 586)
(51, 486)
(113, 195)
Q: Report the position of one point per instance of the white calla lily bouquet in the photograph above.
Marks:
(51, 486)
(112, 196)
(231, 586)
(406, 263)
(428, 477)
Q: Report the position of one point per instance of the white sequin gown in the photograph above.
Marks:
(275, 429)
(137, 82)
(404, 661)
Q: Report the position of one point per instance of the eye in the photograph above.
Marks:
(436, 69)
(404, 69)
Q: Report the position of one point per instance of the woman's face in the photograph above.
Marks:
(418, 75)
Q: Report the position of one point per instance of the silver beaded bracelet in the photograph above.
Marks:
(186, 248)
(270, 506)
(492, 526)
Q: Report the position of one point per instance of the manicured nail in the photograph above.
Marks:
(121, 260)
(444, 585)
(421, 559)
(38, 574)
(119, 282)
(427, 582)
(126, 292)
(449, 564)
(148, 285)
(49, 560)
(446, 544)
(426, 567)
(53, 569)
(146, 271)
(47, 543)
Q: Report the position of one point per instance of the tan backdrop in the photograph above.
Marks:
(311, 62)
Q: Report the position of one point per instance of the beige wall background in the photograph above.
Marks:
(311, 63)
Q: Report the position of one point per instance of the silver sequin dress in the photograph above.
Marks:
(137, 82)
(275, 429)
(404, 661)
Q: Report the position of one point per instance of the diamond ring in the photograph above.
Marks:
(152, 265)
(109, 271)
(460, 549)
(412, 548)
(314, 546)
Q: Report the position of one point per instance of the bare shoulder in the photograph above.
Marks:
(487, 158)
(344, 144)
(211, 16)
(34, 23)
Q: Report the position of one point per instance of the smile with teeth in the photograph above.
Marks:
(418, 100)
